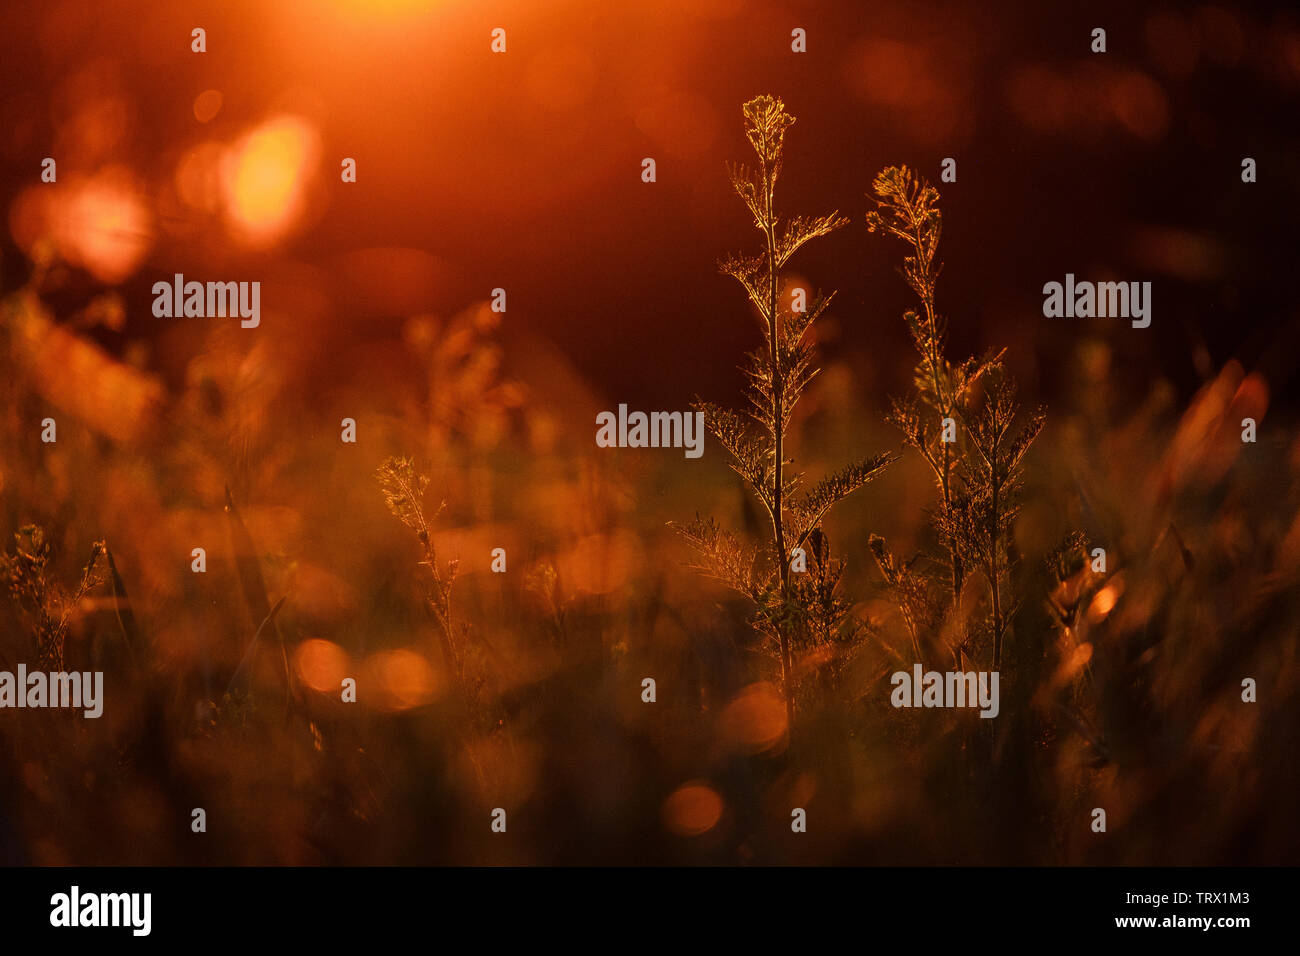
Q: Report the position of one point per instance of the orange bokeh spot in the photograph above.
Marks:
(264, 178)
(399, 680)
(1077, 660)
(1104, 602)
(207, 105)
(321, 665)
(756, 720)
(692, 809)
(99, 223)
(198, 180)
(1073, 661)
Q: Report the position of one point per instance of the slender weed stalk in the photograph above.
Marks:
(983, 512)
(961, 420)
(123, 609)
(26, 576)
(404, 489)
(262, 614)
(792, 605)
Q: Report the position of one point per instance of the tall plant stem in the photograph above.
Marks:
(995, 576)
(778, 440)
(948, 403)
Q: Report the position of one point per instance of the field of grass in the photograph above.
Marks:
(1121, 690)
(351, 672)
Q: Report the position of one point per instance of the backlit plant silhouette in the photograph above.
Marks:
(976, 459)
(793, 607)
(25, 575)
(404, 490)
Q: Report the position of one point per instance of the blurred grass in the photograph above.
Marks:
(1134, 707)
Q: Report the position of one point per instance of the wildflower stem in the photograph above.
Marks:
(778, 435)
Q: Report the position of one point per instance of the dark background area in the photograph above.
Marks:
(523, 170)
